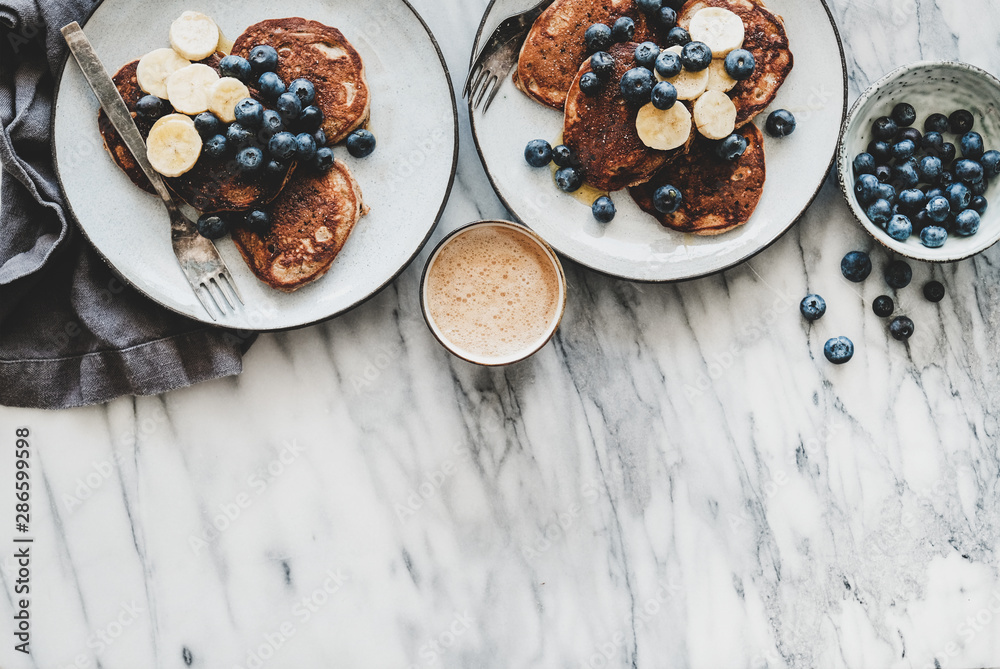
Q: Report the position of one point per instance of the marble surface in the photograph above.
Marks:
(679, 479)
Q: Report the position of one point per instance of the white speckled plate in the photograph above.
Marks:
(405, 182)
(634, 246)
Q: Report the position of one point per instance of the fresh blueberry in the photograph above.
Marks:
(733, 147)
(884, 129)
(866, 188)
(236, 67)
(979, 187)
(310, 119)
(929, 168)
(563, 156)
(864, 163)
(597, 38)
(883, 306)
(270, 86)
(880, 151)
(212, 226)
(886, 192)
(920, 221)
(591, 84)
(257, 221)
(933, 193)
(933, 236)
(904, 115)
(208, 125)
(637, 85)
(979, 204)
(664, 96)
(360, 143)
(215, 146)
(856, 266)
(899, 227)
(649, 7)
(304, 89)
(623, 30)
(275, 169)
(667, 18)
(602, 64)
(740, 64)
(933, 291)
(667, 199)
(305, 146)
(569, 179)
(911, 134)
(282, 146)
(250, 159)
(603, 209)
(898, 274)
(879, 212)
(947, 153)
(320, 137)
(961, 121)
(912, 199)
(972, 145)
(323, 160)
(271, 124)
(538, 153)
(905, 175)
(812, 307)
(668, 64)
(932, 141)
(678, 37)
(883, 173)
(839, 350)
(901, 328)
(938, 209)
(151, 107)
(946, 179)
(959, 196)
(249, 113)
(903, 150)
(289, 106)
(780, 123)
(239, 136)
(936, 123)
(263, 58)
(646, 54)
(991, 164)
(696, 56)
(967, 223)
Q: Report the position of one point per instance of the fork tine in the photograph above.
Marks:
(493, 94)
(199, 292)
(226, 301)
(492, 78)
(232, 285)
(480, 78)
(474, 71)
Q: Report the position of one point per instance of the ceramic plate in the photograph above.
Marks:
(405, 182)
(634, 246)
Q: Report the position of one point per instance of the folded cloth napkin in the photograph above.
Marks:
(71, 332)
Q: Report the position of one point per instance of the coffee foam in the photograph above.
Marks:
(493, 293)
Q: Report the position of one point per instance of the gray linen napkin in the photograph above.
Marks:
(71, 332)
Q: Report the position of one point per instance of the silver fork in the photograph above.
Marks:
(204, 268)
(499, 55)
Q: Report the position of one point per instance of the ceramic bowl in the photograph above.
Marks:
(930, 87)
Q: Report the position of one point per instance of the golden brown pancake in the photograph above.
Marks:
(554, 49)
(766, 40)
(310, 222)
(323, 55)
(717, 195)
(601, 130)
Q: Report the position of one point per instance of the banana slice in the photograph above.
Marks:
(718, 78)
(663, 129)
(715, 115)
(183, 118)
(154, 68)
(225, 44)
(689, 84)
(188, 89)
(224, 95)
(173, 146)
(719, 28)
(194, 35)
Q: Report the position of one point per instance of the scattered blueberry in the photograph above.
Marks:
(979, 204)
(856, 266)
(538, 153)
(898, 274)
(215, 146)
(961, 121)
(959, 196)
(263, 58)
(864, 163)
(886, 192)
(239, 136)
(933, 236)
(947, 152)
(991, 164)
(696, 56)
(597, 38)
(812, 307)
(236, 67)
(904, 150)
(563, 156)
(310, 119)
(912, 199)
(883, 306)
(664, 96)
(602, 64)
(667, 199)
(881, 151)
(901, 328)
(911, 134)
(304, 90)
(270, 86)
(649, 7)
(637, 85)
(933, 141)
(780, 123)
(934, 291)
(879, 212)
(275, 169)
(289, 106)
(972, 145)
(929, 168)
(668, 64)
(151, 107)
(257, 221)
(678, 37)
(250, 159)
(839, 350)
(866, 188)
(271, 124)
(883, 173)
(623, 30)
(323, 160)
(603, 209)
(740, 64)
(936, 123)
(884, 129)
(967, 223)
(320, 137)
(733, 147)
(249, 113)
(904, 115)
(938, 209)
(979, 187)
(208, 125)
(282, 146)
(360, 143)
(569, 179)
(905, 174)
(899, 228)
(212, 226)
(667, 17)
(646, 54)
(590, 83)
(946, 179)
(305, 146)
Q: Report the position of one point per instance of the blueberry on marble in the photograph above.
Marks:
(938, 209)
(664, 96)
(733, 147)
(637, 85)
(563, 156)
(979, 204)
(961, 121)
(780, 123)
(967, 223)
(883, 306)
(623, 30)
(812, 307)
(667, 18)
(883, 173)
(856, 266)
(864, 163)
(904, 114)
(933, 236)
(866, 188)
(881, 151)
(569, 179)
(598, 38)
(667, 199)
(678, 37)
(151, 107)
(739, 64)
(839, 350)
(668, 64)
(899, 227)
(236, 67)
(879, 212)
(646, 54)
(929, 168)
(361, 143)
(901, 328)
(972, 145)
(934, 291)
(936, 123)
(538, 153)
(959, 196)
(602, 64)
(603, 209)
(898, 274)
(884, 129)
(212, 226)
(991, 164)
(208, 125)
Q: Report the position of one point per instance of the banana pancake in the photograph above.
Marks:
(310, 222)
(766, 39)
(213, 184)
(717, 195)
(601, 130)
(324, 56)
(554, 48)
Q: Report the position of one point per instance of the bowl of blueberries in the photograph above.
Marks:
(919, 159)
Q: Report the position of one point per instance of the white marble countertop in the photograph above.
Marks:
(679, 479)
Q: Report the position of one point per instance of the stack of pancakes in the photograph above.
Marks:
(311, 213)
(600, 129)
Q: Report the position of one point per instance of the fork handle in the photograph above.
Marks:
(113, 104)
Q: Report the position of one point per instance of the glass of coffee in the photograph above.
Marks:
(493, 292)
